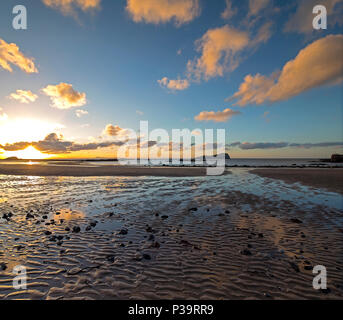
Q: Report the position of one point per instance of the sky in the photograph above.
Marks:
(86, 71)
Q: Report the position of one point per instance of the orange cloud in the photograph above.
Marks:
(162, 11)
(114, 131)
(220, 116)
(255, 6)
(301, 21)
(24, 96)
(174, 84)
(320, 63)
(67, 7)
(220, 49)
(10, 54)
(63, 96)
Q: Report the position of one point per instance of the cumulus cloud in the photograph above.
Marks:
(280, 145)
(320, 63)
(219, 116)
(11, 55)
(79, 113)
(115, 131)
(68, 7)
(301, 21)
(221, 50)
(24, 96)
(55, 144)
(229, 11)
(174, 84)
(63, 96)
(162, 11)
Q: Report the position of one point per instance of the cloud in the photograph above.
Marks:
(115, 131)
(3, 116)
(54, 144)
(162, 11)
(220, 116)
(174, 84)
(255, 6)
(140, 113)
(229, 12)
(280, 145)
(63, 96)
(11, 55)
(79, 113)
(301, 21)
(221, 50)
(320, 63)
(24, 96)
(68, 7)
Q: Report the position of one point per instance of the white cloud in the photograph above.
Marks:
(24, 96)
(63, 96)
(79, 113)
(174, 85)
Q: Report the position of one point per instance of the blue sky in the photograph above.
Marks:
(117, 63)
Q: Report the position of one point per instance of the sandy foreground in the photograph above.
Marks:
(235, 236)
(330, 179)
(93, 171)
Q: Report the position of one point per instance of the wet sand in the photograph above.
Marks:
(100, 171)
(330, 179)
(228, 237)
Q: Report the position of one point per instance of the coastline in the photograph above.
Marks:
(327, 178)
(101, 171)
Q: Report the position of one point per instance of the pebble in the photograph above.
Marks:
(76, 229)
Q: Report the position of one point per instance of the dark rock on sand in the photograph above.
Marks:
(29, 216)
(88, 228)
(193, 209)
(67, 229)
(326, 291)
(76, 229)
(123, 232)
(146, 256)
(294, 267)
(246, 252)
(47, 233)
(151, 237)
(164, 217)
(295, 220)
(110, 258)
(3, 266)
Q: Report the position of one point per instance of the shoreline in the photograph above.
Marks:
(101, 171)
(330, 179)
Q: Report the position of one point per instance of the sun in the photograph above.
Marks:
(30, 153)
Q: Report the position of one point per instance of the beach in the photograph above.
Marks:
(329, 179)
(236, 236)
(73, 170)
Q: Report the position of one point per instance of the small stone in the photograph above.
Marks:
(260, 235)
(146, 256)
(123, 232)
(164, 217)
(110, 258)
(151, 237)
(193, 209)
(29, 216)
(76, 229)
(88, 228)
(294, 266)
(295, 220)
(47, 233)
(246, 252)
(325, 291)
(3, 266)
(67, 229)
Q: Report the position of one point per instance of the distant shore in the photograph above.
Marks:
(328, 178)
(93, 171)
